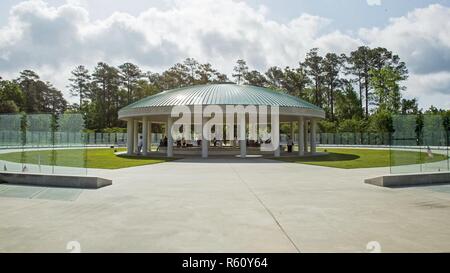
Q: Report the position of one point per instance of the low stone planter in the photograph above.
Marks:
(50, 180)
(407, 180)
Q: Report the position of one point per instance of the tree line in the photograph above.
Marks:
(359, 91)
(28, 93)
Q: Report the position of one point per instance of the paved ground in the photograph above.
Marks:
(228, 205)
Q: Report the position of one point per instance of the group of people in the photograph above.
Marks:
(182, 143)
(140, 144)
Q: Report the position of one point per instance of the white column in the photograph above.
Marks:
(135, 135)
(165, 130)
(149, 136)
(169, 136)
(305, 137)
(301, 136)
(292, 135)
(313, 136)
(277, 152)
(205, 142)
(130, 133)
(223, 135)
(292, 131)
(145, 136)
(242, 137)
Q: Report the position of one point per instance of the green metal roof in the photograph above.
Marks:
(221, 94)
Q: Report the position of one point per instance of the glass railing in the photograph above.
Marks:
(419, 144)
(353, 138)
(43, 143)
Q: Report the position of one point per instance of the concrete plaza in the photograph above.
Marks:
(229, 205)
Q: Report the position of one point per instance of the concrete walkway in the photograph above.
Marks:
(232, 205)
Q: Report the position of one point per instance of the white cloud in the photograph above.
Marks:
(422, 37)
(422, 40)
(52, 40)
(428, 84)
(373, 2)
(432, 89)
(41, 37)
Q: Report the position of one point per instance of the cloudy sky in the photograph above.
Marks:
(53, 36)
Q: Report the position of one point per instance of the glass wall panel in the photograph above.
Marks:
(435, 144)
(43, 143)
(405, 154)
(70, 154)
(419, 144)
(12, 141)
(38, 130)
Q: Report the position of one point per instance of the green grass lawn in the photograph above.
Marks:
(103, 158)
(364, 158)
